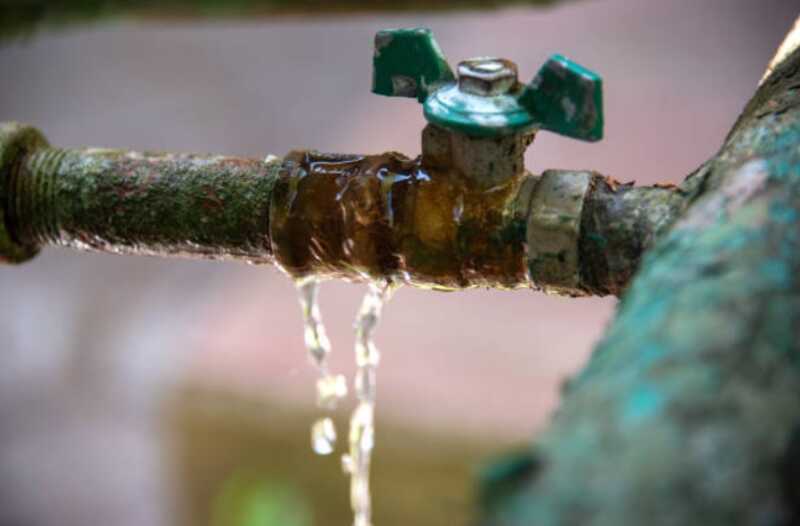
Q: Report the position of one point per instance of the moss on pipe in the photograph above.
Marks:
(687, 411)
(16, 142)
(344, 216)
(144, 203)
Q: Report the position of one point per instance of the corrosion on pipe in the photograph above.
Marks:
(142, 203)
(419, 221)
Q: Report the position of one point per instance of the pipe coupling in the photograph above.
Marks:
(553, 232)
(17, 141)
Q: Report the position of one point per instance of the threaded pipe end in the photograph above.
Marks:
(17, 142)
(35, 211)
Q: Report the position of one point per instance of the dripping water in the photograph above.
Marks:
(361, 436)
(332, 388)
(323, 436)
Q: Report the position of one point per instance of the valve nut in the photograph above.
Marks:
(487, 76)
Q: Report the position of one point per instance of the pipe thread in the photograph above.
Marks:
(34, 210)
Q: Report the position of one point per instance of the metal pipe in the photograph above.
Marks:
(464, 214)
(144, 203)
(419, 221)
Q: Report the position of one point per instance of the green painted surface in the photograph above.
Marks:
(476, 115)
(566, 98)
(408, 63)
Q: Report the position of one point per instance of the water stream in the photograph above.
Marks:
(332, 388)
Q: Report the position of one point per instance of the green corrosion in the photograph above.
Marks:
(687, 411)
(16, 142)
(144, 203)
(619, 224)
(437, 221)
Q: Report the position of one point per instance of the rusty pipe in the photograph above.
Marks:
(423, 221)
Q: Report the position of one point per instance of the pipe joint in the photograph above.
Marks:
(17, 142)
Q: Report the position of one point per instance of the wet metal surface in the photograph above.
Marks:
(676, 73)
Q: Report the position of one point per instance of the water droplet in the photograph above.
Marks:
(347, 463)
(366, 354)
(362, 433)
(316, 340)
(331, 389)
(323, 436)
(365, 383)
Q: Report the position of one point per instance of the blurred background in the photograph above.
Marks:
(140, 391)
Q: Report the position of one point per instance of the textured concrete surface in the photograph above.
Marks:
(92, 344)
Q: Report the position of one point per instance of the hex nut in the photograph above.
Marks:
(487, 76)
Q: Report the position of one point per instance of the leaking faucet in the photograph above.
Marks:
(465, 213)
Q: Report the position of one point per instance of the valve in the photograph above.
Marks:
(485, 99)
(465, 213)
(480, 122)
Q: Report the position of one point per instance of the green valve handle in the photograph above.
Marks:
(486, 99)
